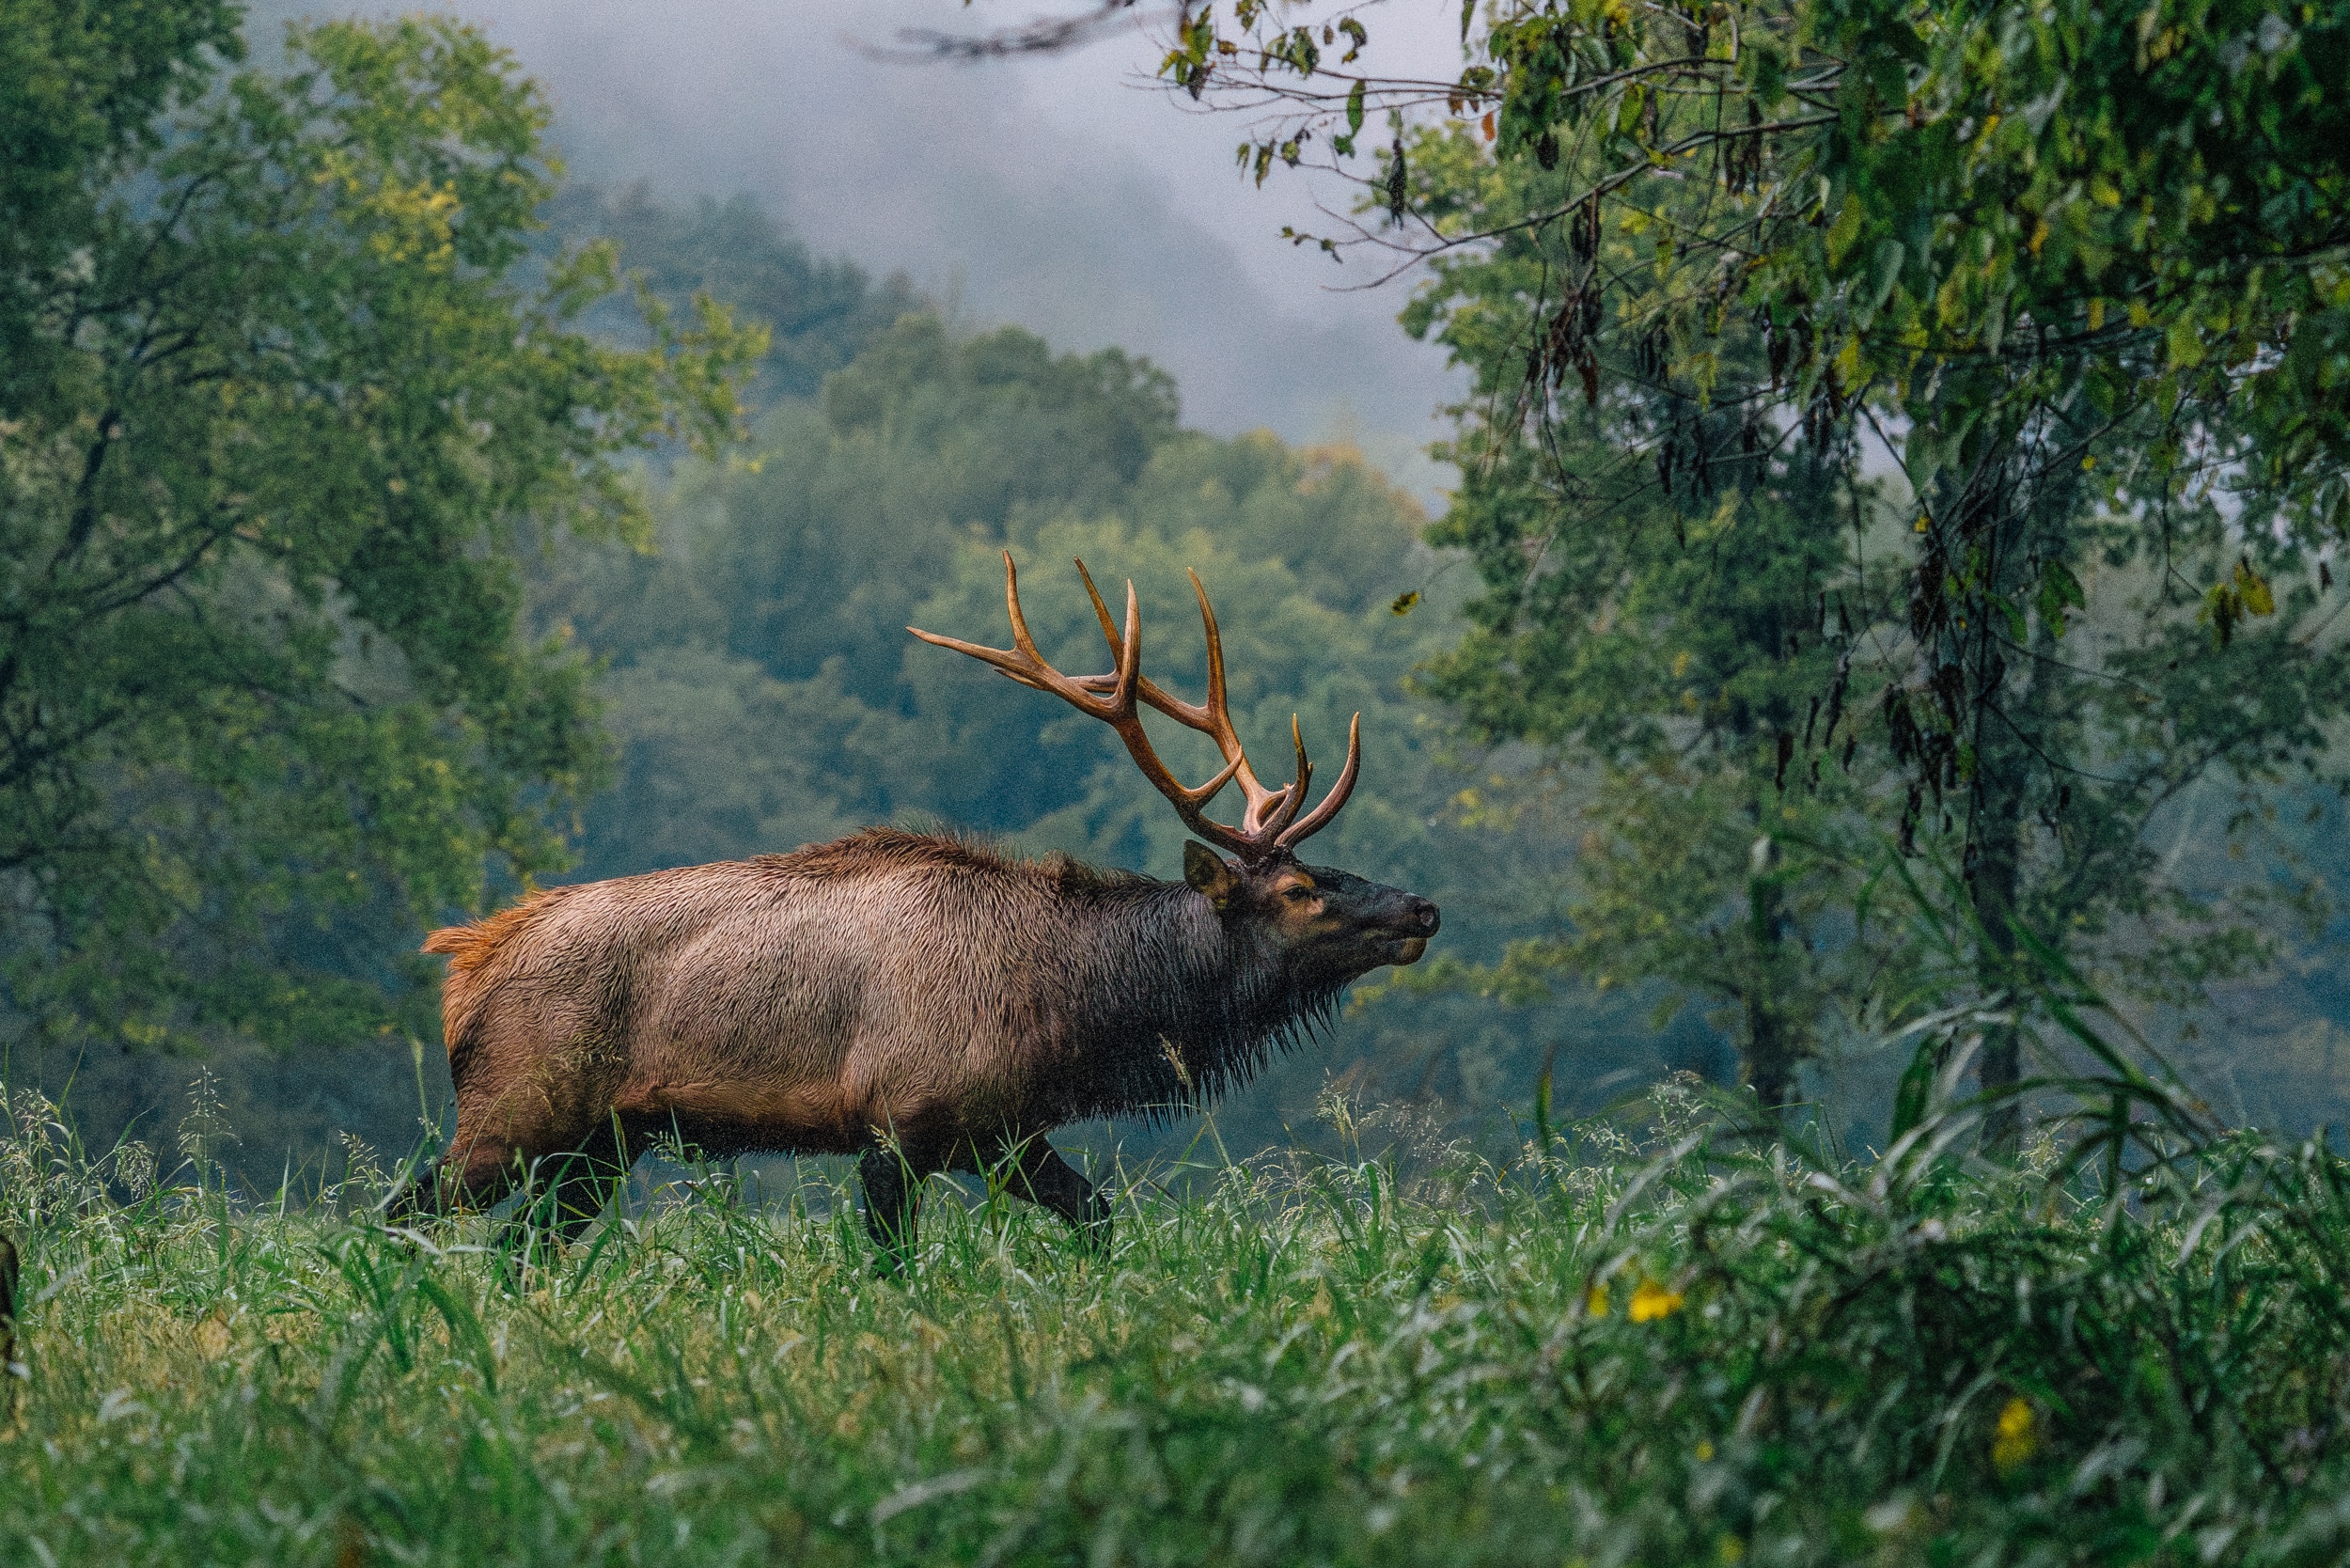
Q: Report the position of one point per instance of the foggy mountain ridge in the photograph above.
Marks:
(1061, 193)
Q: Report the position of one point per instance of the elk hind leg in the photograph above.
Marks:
(572, 1188)
(510, 1124)
(474, 1172)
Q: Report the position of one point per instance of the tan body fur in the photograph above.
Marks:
(800, 1002)
(922, 1001)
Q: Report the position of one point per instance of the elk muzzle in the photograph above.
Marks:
(1414, 923)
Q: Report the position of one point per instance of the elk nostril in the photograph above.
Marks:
(1424, 915)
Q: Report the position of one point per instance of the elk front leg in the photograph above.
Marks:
(1039, 1174)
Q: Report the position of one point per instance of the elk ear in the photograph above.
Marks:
(1206, 871)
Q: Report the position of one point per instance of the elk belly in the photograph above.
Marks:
(737, 1116)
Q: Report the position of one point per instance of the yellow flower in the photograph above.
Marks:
(1596, 1303)
(1651, 1300)
(2019, 1438)
(1706, 1451)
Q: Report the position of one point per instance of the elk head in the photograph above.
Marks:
(1328, 925)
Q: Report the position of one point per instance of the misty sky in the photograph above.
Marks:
(1056, 192)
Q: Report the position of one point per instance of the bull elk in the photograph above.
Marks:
(922, 1001)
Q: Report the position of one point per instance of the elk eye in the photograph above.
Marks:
(1298, 894)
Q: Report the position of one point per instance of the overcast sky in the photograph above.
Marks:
(1059, 193)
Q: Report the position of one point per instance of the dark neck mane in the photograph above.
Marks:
(1173, 1009)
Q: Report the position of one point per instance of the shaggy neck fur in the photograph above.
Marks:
(1174, 1007)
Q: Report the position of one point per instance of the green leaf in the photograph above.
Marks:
(2222, 608)
(2253, 590)
(1628, 109)
(1847, 229)
(1354, 108)
(2013, 613)
(1911, 1096)
(2060, 590)
(2183, 344)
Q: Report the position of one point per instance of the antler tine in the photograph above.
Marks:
(1215, 650)
(1005, 662)
(1102, 613)
(1011, 607)
(1296, 793)
(1267, 810)
(1130, 658)
(1319, 817)
(1270, 820)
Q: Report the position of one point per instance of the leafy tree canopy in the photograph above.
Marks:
(88, 87)
(280, 406)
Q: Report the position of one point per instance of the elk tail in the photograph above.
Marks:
(469, 947)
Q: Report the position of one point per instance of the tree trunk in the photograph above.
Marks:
(1773, 1046)
(1994, 875)
(1991, 888)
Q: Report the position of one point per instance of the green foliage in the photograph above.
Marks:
(287, 411)
(1672, 587)
(2079, 274)
(88, 86)
(1660, 1346)
(1954, 210)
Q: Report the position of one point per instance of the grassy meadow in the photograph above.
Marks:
(1616, 1346)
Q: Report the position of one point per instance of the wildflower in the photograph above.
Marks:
(1596, 1303)
(1652, 1301)
(2017, 1439)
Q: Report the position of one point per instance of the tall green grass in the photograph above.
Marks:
(1665, 1345)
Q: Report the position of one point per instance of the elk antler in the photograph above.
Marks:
(1270, 821)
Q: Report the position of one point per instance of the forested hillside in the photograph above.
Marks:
(760, 690)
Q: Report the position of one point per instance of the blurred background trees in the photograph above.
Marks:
(1871, 576)
(279, 405)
